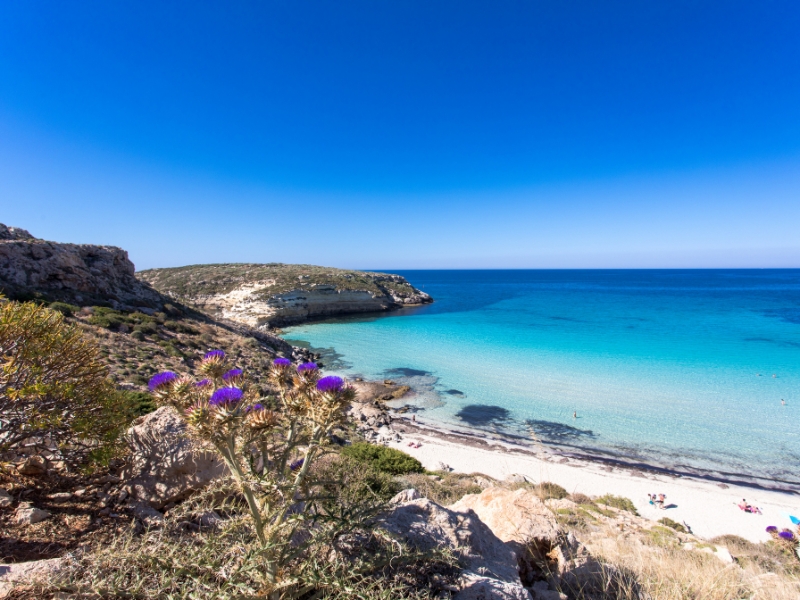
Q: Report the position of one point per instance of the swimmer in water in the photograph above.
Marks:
(783, 402)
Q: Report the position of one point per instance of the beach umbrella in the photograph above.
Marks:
(794, 520)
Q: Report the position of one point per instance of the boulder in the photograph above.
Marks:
(427, 526)
(27, 572)
(30, 515)
(166, 464)
(6, 499)
(33, 465)
(548, 557)
(405, 496)
(475, 587)
(513, 516)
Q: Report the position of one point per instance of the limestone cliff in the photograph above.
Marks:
(278, 294)
(81, 274)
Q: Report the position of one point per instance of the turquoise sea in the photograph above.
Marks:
(676, 369)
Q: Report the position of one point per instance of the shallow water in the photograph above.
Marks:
(668, 368)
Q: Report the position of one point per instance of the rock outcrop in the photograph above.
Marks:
(551, 563)
(278, 294)
(490, 565)
(166, 465)
(81, 274)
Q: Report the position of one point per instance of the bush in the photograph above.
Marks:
(619, 502)
(388, 460)
(581, 499)
(140, 403)
(65, 309)
(547, 490)
(673, 524)
(106, 317)
(53, 386)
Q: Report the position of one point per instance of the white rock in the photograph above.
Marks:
(166, 464)
(405, 496)
(476, 587)
(426, 525)
(30, 515)
(6, 499)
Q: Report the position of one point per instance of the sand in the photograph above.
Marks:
(709, 509)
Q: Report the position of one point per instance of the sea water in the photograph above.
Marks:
(677, 369)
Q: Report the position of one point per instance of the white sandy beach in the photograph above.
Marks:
(708, 508)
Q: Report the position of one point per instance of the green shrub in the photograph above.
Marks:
(673, 524)
(141, 403)
(65, 309)
(619, 502)
(179, 327)
(353, 482)
(106, 317)
(54, 386)
(388, 460)
(547, 490)
(581, 499)
(147, 328)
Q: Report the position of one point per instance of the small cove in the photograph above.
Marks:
(672, 369)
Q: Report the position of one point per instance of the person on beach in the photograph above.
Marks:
(660, 501)
(575, 414)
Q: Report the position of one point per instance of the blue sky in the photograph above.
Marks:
(406, 134)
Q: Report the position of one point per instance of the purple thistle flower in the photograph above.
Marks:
(772, 529)
(214, 354)
(257, 406)
(282, 362)
(161, 379)
(306, 367)
(296, 464)
(786, 535)
(203, 383)
(232, 374)
(226, 395)
(331, 383)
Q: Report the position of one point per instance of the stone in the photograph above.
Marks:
(27, 572)
(30, 515)
(405, 496)
(6, 499)
(210, 518)
(516, 478)
(426, 525)
(60, 496)
(146, 513)
(475, 587)
(166, 464)
(33, 466)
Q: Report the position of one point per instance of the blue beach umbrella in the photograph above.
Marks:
(794, 520)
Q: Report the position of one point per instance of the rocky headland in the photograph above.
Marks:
(264, 295)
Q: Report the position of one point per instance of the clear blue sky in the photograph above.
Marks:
(406, 134)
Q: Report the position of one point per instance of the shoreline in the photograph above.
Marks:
(708, 508)
(552, 451)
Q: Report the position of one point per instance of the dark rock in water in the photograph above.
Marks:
(454, 392)
(550, 430)
(484, 414)
(407, 372)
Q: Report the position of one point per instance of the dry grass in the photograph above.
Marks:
(670, 572)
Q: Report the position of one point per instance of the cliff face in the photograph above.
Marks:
(81, 274)
(278, 294)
